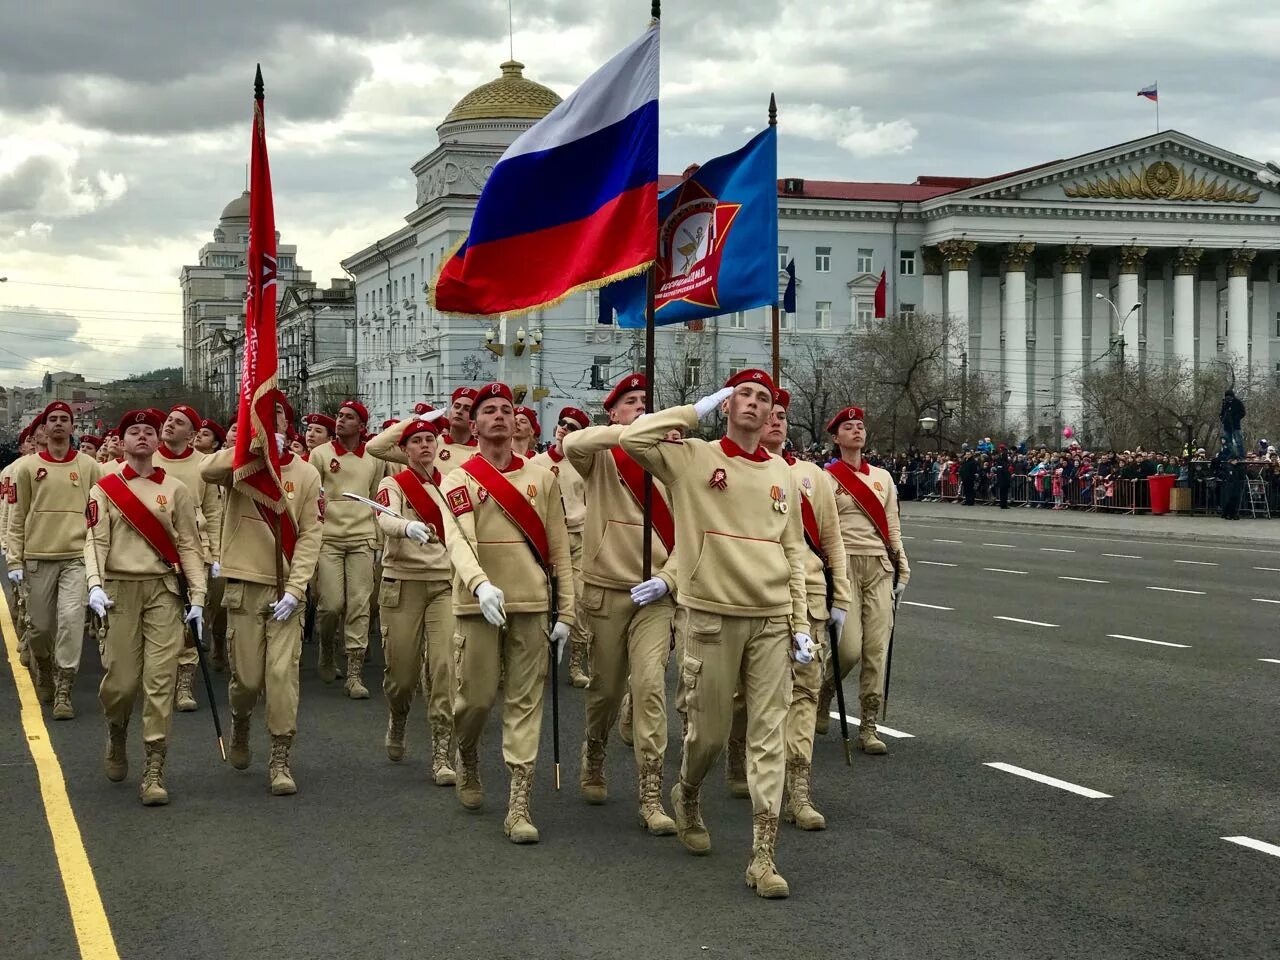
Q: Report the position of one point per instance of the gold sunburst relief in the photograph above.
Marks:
(1160, 181)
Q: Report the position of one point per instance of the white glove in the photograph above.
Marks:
(708, 404)
(899, 590)
(195, 615)
(431, 416)
(803, 648)
(491, 599)
(419, 531)
(837, 618)
(280, 441)
(15, 576)
(215, 570)
(283, 608)
(99, 602)
(559, 634)
(655, 588)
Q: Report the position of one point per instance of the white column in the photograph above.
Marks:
(1015, 334)
(1260, 358)
(1072, 360)
(956, 255)
(1185, 266)
(1126, 297)
(932, 283)
(1239, 264)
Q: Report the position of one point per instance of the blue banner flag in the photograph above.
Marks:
(717, 241)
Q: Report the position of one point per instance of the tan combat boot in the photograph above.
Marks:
(868, 742)
(354, 687)
(442, 771)
(822, 723)
(184, 697)
(282, 784)
(327, 668)
(652, 817)
(735, 768)
(686, 804)
(62, 709)
(44, 679)
(116, 762)
(762, 875)
(577, 659)
(799, 808)
(519, 824)
(152, 789)
(239, 753)
(468, 787)
(394, 741)
(626, 731)
(591, 777)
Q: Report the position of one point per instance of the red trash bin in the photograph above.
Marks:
(1161, 488)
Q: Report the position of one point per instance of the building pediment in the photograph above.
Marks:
(455, 173)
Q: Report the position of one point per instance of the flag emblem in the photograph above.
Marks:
(334, 466)
(91, 513)
(719, 479)
(383, 497)
(41, 473)
(482, 495)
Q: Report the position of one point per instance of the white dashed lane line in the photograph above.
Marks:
(1198, 593)
(1253, 844)
(1004, 546)
(1122, 556)
(935, 563)
(1051, 781)
(1021, 573)
(1197, 563)
(1057, 550)
(1030, 623)
(1084, 580)
(1267, 660)
(936, 540)
(927, 606)
(880, 728)
(1268, 569)
(1159, 643)
(1264, 600)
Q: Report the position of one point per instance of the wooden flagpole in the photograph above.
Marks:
(777, 323)
(646, 569)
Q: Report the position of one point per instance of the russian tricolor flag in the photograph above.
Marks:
(573, 203)
(1150, 93)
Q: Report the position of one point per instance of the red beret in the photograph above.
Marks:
(56, 405)
(848, 413)
(420, 408)
(281, 399)
(214, 427)
(781, 398)
(389, 423)
(36, 421)
(150, 416)
(491, 390)
(96, 441)
(189, 413)
(470, 393)
(751, 375)
(533, 418)
(418, 426)
(321, 420)
(579, 416)
(635, 381)
(356, 407)
(23, 434)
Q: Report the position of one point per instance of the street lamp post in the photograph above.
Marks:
(1120, 321)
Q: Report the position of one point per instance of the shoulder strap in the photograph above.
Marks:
(288, 529)
(518, 510)
(420, 500)
(137, 515)
(865, 498)
(632, 476)
(812, 533)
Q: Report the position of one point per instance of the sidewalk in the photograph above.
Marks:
(1213, 529)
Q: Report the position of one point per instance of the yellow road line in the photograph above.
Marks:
(93, 930)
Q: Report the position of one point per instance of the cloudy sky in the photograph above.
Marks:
(124, 125)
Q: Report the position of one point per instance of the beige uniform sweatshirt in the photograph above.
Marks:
(114, 550)
(208, 499)
(815, 488)
(405, 559)
(741, 552)
(504, 556)
(248, 544)
(47, 517)
(571, 486)
(861, 539)
(347, 471)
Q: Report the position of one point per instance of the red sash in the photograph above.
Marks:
(288, 530)
(420, 500)
(518, 510)
(865, 498)
(144, 522)
(632, 475)
(811, 531)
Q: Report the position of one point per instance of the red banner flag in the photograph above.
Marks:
(257, 462)
(882, 292)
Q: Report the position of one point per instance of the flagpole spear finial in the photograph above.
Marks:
(257, 84)
(655, 9)
(773, 110)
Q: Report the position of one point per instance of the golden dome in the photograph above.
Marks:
(509, 97)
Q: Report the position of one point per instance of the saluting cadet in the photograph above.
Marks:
(575, 510)
(209, 439)
(867, 500)
(741, 581)
(142, 534)
(625, 638)
(183, 462)
(515, 543)
(524, 441)
(265, 636)
(344, 579)
(45, 545)
(461, 429)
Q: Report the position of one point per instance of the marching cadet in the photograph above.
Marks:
(416, 595)
(575, 511)
(320, 430)
(89, 446)
(109, 452)
(524, 440)
(505, 564)
(867, 500)
(183, 462)
(26, 446)
(461, 432)
(264, 635)
(625, 638)
(741, 582)
(211, 438)
(142, 535)
(344, 577)
(45, 545)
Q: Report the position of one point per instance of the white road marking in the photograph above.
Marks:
(1198, 593)
(908, 538)
(1051, 781)
(880, 728)
(1269, 569)
(1197, 563)
(1264, 600)
(936, 540)
(1253, 844)
(1084, 580)
(1161, 643)
(935, 563)
(1033, 623)
(1055, 550)
(1007, 546)
(1021, 573)
(1122, 556)
(928, 606)
(1267, 660)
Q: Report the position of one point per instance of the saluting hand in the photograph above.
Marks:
(431, 416)
(707, 404)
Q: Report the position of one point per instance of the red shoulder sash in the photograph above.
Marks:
(811, 531)
(288, 529)
(864, 497)
(632, 475)
(420, 500)
(518, 510)
(137, 515)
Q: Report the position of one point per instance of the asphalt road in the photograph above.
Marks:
(930, 852)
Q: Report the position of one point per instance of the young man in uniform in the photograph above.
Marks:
(515, 542)
(741, 580)
(524, 439)
(9, 497)
(141, 529)
(45, 544)
(264, 634)
(461, 429)
(344, 579)
(182, 461)
(626, 640)
(867, 501)
(575, 510)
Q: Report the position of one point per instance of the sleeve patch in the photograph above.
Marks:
(383, 497)
(91, 513)
(459, 501)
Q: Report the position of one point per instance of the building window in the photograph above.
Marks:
(737, 364)
(907, 263)
(822, 259)
(600, 372)
(738, 320)
(1278, 323)
(907, 311)
(784, 320)
(822, 315)
(866, 260)
(784, 255)
(865, 312)
(693, 372)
